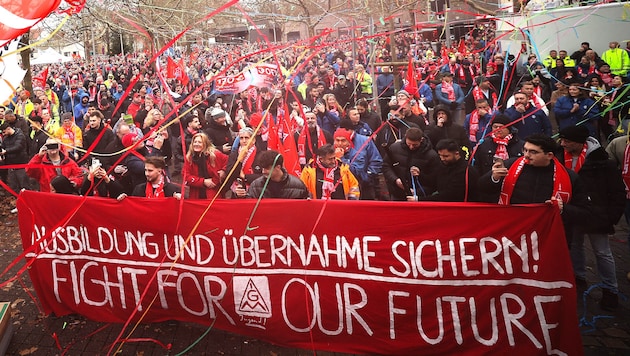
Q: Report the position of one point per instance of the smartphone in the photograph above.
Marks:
(96, 163)
(496, 159)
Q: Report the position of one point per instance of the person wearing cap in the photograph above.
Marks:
(218, 130)
(451, 95)
(584, 155)
(410, 165)
(15, 152)
(310, 138)
(326, 177)
(360, 153)
(343, 91)
(17, 122)
(538, 177)
(51, 161)
(499, 143)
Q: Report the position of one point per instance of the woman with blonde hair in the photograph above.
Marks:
(204, 168)
(333, 105)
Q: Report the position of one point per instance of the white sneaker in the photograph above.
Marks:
(14, 211)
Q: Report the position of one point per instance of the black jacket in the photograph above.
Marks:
(448, 131)
(219, 135)
(290, 187)
(486, 151)
(607, 192)
(454, 181)
(535, 185)
(90, 136)
(399, 159)
(16, 147)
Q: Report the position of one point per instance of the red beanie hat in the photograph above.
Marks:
(129, 139)
(345, 133)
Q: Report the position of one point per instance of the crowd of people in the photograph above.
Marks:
(470, 124)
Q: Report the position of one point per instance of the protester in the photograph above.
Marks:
(156, 186)
(51, 161)
(204, 168)
(326, 177)
(275, 182)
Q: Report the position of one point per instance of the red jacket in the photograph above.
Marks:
(195, 182)
(42, 169)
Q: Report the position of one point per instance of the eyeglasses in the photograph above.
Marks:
(532, 152)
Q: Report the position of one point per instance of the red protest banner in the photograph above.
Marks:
(359, 277)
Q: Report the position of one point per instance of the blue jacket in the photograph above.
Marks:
(425, 92)
(367, 161)
(484, 127)
(328, 121)
(537, 122)
(588, 111)
(80, 110)
(69, 102)
(443, 99)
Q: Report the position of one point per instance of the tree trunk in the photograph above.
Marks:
(26, 61)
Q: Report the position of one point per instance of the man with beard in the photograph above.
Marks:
(310, 138)
(538, 177)
(81, 109)
(156, 186)
(328, 178)
(97, 136)
(362, 156)
(218, 130)
(456, 181)
(343, 92)
(409, 167)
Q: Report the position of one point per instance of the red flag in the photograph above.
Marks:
(40, 80)
(289, 148)
(462, 46)
(183, 77)
(412, 85)
(176, 70)
(273, 142)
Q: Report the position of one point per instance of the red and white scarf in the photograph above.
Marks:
(159, 190)
(248, 161)
(502, 143)
(447, 88)
(328, 184)
(304, 140)
(568, 159)
(474, 125)
(561, 182)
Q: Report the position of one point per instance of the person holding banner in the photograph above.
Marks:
(276, 182)
(326, 174)
(204, 167)
(409, 166)
(156, 186)
(538, 177)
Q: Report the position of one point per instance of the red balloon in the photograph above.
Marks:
(19, 16)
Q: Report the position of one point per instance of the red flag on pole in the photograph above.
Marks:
(289, 148)
(176, 70)
(462, 46)
(412, 85)
(183, 77)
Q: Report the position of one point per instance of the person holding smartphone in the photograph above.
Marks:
(51, 161)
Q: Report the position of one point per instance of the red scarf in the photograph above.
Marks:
(305, 139)
(538, 91)
(568, 159)
(625, 170)
(248, 161)
(328, 185)
(474, 125)
(502, 143)
(447, 88)
(159, 190)
(561, 182)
